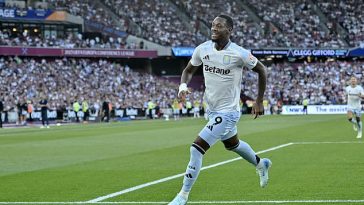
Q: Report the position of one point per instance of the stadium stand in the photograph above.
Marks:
(247, 33)
(89, 11)
(321, 83)
(279, 23)
(65, 80)
(259, 24)
(158, 20)
(71, 41)
(349, 15)
(298, 22)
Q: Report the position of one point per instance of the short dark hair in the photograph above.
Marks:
(229, 20)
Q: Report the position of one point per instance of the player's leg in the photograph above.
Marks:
(84, 116)
(24, 117)
(208, 136)
(350, 116)
(197, 150)
(245, 151)
(359, 123)
(174, 114)
(241, 148)
(46, 118)
(43, 119)
(360, 127)
(19, 119)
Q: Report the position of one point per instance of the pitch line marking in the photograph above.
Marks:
(197, 202)
(97, 200)
(101, 198)
(333, 142)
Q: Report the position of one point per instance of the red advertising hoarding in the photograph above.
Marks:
(65, 52)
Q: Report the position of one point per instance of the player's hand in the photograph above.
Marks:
(183, 91)
(257, 109)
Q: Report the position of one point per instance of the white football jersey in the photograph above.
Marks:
(223, 73)
(354, 101)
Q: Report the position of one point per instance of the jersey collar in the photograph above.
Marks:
(225, 48)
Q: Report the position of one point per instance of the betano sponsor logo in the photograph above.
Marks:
(216, 70)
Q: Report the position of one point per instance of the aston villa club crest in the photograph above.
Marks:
(226, 60)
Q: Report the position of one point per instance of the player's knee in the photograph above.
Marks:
(231, 147)
(231, 143)
(197, 148)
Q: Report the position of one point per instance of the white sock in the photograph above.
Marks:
(360, 126)
(184, 194)
(193, 169)
(246, 152)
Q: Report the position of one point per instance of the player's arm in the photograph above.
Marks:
(185, 79)
(361, 93)
(262, 82)
(188, 73)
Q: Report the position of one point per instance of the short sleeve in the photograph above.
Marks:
(196, 59)
(249, 60)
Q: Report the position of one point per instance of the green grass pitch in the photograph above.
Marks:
(79, 163)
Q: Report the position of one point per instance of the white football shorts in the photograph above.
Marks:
(356, 112)
(221, 126)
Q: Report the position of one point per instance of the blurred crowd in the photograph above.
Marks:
(89, 10)
(298, 22)
(320, 83)
(281, 23)
(246, 33)
(348, 14)
(266, 23)
(159, 21)
(64, 81)
(70, 41)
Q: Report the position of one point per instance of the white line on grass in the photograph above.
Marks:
(101, 198)
(198, 202)
(342, 142)
(276, 202)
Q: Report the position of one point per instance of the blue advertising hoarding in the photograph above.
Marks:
(356, 52)
(188, 51)
(183, 51)
(10, 13)
(317, 52)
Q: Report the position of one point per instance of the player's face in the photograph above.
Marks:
(353, 81)
(219, 29)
